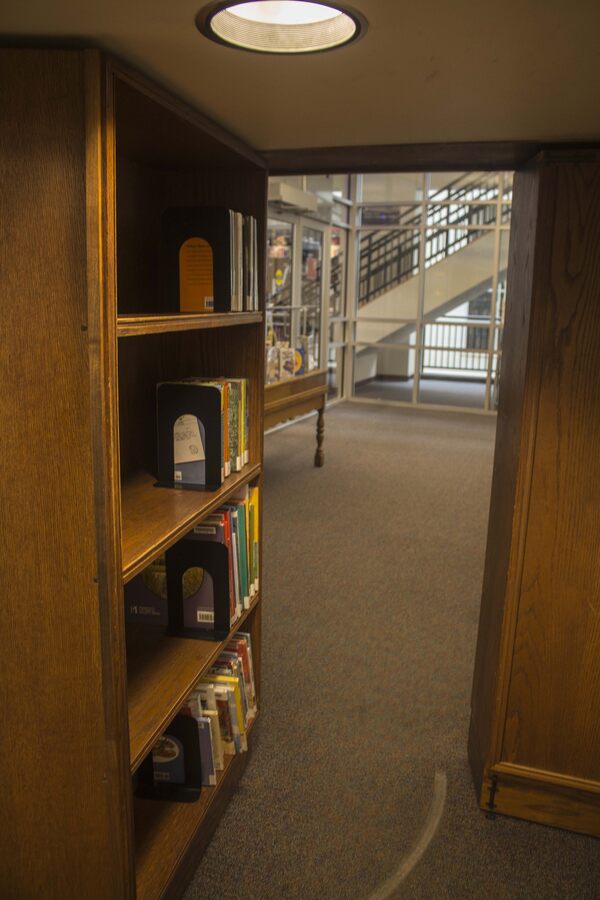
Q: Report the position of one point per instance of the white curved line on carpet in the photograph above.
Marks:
(434, 817)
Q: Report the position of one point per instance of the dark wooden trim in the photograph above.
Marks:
(458, 156)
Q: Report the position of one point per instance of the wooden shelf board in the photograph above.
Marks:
(161, 671)
(154, 518)
(150, 323)
(164, 831)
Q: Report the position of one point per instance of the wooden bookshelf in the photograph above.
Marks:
(161, 671)
(128, 326)
(169, 836)
(97, 153)
(153, 518)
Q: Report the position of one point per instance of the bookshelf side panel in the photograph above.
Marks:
(62, 834)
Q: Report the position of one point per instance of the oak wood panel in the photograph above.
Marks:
(553, 709)
(171, 837)
(102, 304)
(161, 671)
(154, 518)
(507, 491)
(128, 326)
(544, 800)
(61, 834)
(294, 396)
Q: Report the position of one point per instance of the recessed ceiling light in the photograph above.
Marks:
(280, 26)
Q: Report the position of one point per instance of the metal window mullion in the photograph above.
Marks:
(493, 298)
(426, 183)
(352, 286)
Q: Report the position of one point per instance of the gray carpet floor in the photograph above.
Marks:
(441, 391)
(373, 568)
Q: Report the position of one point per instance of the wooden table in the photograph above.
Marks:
(296, 396)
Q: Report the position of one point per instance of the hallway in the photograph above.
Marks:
(373, 570)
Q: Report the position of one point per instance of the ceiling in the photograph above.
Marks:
(426, 71)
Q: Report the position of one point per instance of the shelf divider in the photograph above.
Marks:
(154, 518)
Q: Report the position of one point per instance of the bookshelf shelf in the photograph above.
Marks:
(161, 672)
(153, 519)
(130, 326)
(166, 832)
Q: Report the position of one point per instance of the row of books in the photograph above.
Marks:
(209, 260)
(222, 706)
(203, 430)
(283, 361)
(208, 579)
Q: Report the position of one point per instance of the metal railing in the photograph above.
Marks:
(390, 257)
(455, 346)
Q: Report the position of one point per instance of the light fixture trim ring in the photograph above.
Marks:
(207, 14)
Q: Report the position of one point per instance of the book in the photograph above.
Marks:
(286, 362)
(236, 707)
(241, 648)
(191, 428)
(146, 595)
(168, 760)
(255, 518)
(192, 707)
(225, 724)
(216, 527)
(201, 258)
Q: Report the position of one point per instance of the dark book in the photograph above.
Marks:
(200, 260)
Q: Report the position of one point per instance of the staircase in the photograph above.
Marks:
(390, 261)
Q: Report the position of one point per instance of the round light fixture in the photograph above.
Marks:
(280, 26)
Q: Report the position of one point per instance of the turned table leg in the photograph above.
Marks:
(319, 454)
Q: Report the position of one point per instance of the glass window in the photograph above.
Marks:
(280, 244)
(387, 260)
(335, 186)
(337, 283)
(384, 373)
(309, 319)
(336, 357)
(463, 186)
(386, 187)
(390, 214)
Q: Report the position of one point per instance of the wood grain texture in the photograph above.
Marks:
(513, 427)
(536, 695)
(62, 834)
(161, 671)
(171, 837)
(128, 326)
(154, 518)
(538, 797)
(553, 711)
(82, 187)
(293, 397)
